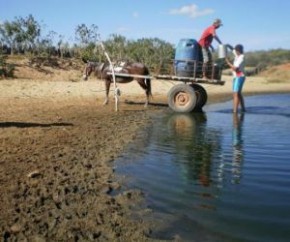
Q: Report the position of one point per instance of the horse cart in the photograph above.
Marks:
(186, 68)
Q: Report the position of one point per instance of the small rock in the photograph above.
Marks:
(15, 228)
(38, 238)
(34, 174)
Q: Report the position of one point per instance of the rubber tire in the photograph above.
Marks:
(201, 96)
(186, 98)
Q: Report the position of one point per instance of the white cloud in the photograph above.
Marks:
(122, 29)
(191, 10)
(135, 14)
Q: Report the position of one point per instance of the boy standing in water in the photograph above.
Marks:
(239, 77)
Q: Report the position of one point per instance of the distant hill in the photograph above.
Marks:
(55, 69)
(47, 68)
(277, 73)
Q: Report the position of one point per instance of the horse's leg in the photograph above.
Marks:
(108, 84)
(85, 74)
(142, 83)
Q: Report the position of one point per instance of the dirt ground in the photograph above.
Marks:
(56, 172)
(58, 145)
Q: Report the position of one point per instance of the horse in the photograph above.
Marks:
(129, 71)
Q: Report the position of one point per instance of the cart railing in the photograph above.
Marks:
(181, 70)
(189, 71)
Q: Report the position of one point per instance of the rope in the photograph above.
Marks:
(116, 89)
(100, 90)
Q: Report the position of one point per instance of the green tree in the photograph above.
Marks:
(116, 45)
(87, 37)
(154, 52)
(9, 32)
(29, 31)
(21, 33)
(85, 34)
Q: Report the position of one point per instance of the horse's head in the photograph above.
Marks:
(88, 70)
(97, 67)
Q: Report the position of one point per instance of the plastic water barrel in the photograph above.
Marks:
(186, 57)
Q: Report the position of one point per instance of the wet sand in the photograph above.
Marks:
(58, 145)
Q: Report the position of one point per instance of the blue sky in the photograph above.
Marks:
(257, 24)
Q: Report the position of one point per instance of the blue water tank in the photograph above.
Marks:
(186, 57)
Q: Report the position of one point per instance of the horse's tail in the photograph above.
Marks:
(148, 83)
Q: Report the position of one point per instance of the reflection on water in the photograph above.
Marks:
(238, 152)
(216, 176)
(194, 145)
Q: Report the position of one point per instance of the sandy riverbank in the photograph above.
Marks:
(58, 144)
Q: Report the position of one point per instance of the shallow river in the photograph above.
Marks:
(216, 176)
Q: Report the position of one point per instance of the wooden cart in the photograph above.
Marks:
(189, 95)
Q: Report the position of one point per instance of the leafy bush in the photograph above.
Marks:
(268, 58)
(6, 69)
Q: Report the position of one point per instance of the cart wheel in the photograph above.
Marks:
(182, 98)
(201, 96)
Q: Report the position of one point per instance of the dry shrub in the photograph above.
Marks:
(276, 74)
(47, 69)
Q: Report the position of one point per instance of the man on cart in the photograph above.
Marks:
(205, 43)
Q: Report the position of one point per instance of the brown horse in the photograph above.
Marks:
(127, 72)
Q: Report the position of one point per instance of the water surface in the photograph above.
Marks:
(216, 176)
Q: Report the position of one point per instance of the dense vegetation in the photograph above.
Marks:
(24, 36)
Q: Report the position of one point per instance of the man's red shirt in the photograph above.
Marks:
(207, 36)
